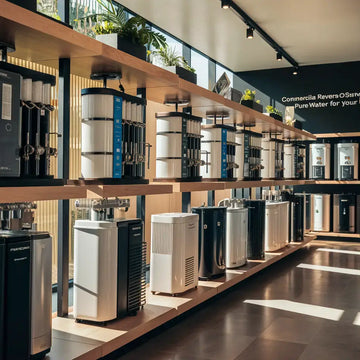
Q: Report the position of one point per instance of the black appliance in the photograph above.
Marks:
(131, 267)
(296, 215)
(279, 159)
(25, 106)
(344, 212)
(256, 239)
(252, 155)
(212, 241)
(15, 260)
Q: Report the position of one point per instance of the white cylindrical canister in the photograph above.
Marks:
(96, 166)
(214, 160)
(173, 124)
(239, 156)
(97, 106)
(168, 168)
(47, 94)
(37, 92)
(168, 145)
(97, 136)
(26, 90)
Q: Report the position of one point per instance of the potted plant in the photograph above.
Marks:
(170, 60)
(274, 113)
(126, 34)
(248, 99)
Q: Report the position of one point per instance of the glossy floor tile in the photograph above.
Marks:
(287, 312)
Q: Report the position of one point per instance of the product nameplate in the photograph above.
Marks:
(117, 138)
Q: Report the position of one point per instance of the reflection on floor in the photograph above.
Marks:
(284, 313)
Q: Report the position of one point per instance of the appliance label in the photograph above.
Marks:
(117, 138)
(184, 152)
(6, 101)
(223, 153)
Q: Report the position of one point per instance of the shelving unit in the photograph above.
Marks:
(337, 135)
(333, 234)
(102, 340)
(337, 182)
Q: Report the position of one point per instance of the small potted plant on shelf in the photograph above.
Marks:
(170, 60)
(274, 113)
(248, 99)
(130, 35)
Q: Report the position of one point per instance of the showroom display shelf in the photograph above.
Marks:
(73, 340)
(334, 234)
(337, 135)
(337, 182)
(266, 183)
(32, 33)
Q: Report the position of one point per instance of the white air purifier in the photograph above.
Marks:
(320, 212)
(276, 225)
(95, 270)
(174, 252)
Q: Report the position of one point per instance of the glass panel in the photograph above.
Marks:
(49, 8)
(201, 64)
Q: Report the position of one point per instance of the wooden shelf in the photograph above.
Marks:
(337, 135)
(103, 191)
(337, 182)
(33, 34)
(37, 193)
(333, 234)
(265, 183)
(197, 186)
(159, 309)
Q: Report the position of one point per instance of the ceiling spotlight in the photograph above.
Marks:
(295, 71)
(225, 4)
(278, 56)
(249, 33)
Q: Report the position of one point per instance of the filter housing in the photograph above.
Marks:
(344, 212)
(320, 212)
(268, 155)
(174, 252)
(346, 161)
(319, 162)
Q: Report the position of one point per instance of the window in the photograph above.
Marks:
(201, 64)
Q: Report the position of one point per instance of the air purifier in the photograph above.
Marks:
(237, 230)
(346, 161)
(268, 157)
(178, 146)
(344, 213)
(218, 152)
(256, 238)
(319, 162)
(95, 270)
(320, 212)
(174, 252)
(131, 267)
(212, 241)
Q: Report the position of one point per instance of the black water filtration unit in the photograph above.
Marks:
(256, 239)
(25, 294)
(296, 215)
(212, 241)
(131, 267)
(345, 214)
(25, 106)
(252, 154)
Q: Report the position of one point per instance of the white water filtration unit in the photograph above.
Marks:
(319, 162)
(346, 161)
(276, 225)
(268, 157)
(178, 146)
(294, 161)
(218, 152)
(95, 270)
(252, 154)
(239, 155)
(320, 212)
(174, 252)
(112, 135)
(237, 230)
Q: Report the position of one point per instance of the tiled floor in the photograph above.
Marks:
(275, 329)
